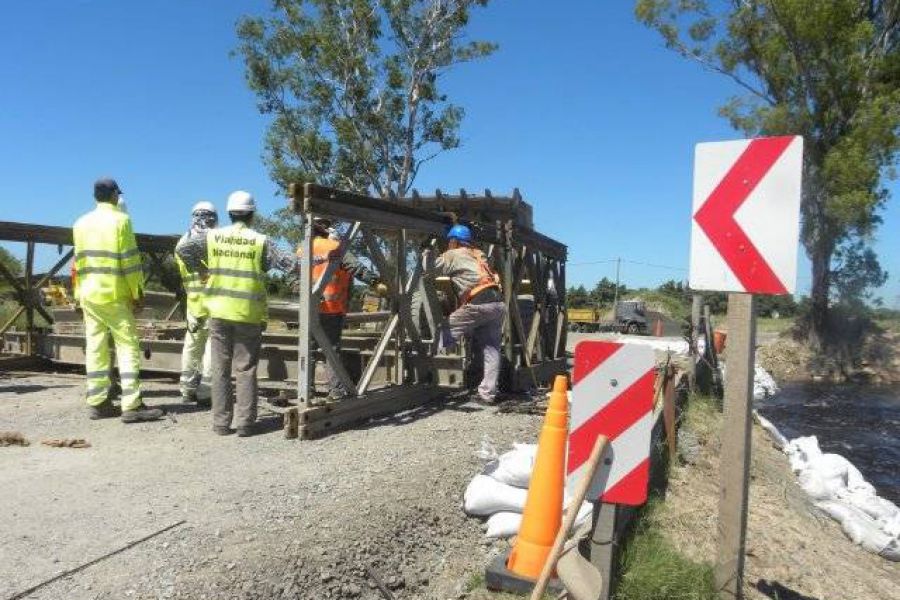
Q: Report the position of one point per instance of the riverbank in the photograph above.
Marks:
(875, 360)
(793, 550)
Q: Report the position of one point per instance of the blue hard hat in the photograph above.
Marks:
(461, 233)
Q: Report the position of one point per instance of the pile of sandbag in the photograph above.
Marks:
(500, 490)
(837, 488)
(764, 385)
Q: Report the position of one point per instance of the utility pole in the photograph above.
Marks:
(616, 293)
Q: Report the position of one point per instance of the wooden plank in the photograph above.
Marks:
(696, 306)
(735, 464)
(321, 420)
(306, 364)
(28, 300)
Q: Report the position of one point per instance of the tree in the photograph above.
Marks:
(578, 297)
(12, 264)
(826, 70)
(857, 274)
(605, 291)
(352, 87)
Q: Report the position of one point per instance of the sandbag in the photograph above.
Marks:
(503, 525)
(770, 428)
(514, 467)
(485, 496)
(506, 524)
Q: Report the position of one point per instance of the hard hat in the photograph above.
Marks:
(203, 206)
(460, 233)
(241, 202)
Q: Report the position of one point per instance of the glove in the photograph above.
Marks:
(380, 289)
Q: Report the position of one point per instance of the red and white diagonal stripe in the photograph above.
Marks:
(612, 395)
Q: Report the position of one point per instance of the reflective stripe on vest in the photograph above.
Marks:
(236, 289)
(193, 289)
(336, 293)
(107, 265)
(486, 277)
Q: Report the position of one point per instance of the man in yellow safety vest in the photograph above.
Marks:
(109, 289)
(195, 356)
(237, 259)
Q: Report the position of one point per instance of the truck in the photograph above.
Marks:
(628, 317)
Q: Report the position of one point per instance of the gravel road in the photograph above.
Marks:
(265, 517)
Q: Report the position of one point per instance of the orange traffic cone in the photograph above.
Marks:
(542, 517)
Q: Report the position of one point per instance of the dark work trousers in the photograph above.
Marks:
(237, 343)
(333, 326)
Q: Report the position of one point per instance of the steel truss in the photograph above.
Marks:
(394, 232)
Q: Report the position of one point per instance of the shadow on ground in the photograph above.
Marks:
(29, 388)
(777, 591)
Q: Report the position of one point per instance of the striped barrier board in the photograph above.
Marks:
(612, 395)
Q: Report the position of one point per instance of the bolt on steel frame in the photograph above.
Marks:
(393, 233)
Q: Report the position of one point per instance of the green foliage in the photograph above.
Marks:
(578, 297)
(653, 569)
(352, 87)
(604, 293)
(12, 264)
(857, 274)
(829, 71)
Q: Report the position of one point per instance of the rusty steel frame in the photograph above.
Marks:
(534, 347)
(27, 291)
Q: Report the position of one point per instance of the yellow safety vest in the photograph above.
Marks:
(193, 289)
(107, 261)
(236, 289)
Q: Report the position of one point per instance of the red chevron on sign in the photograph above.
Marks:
(747, 196)
(612, 395)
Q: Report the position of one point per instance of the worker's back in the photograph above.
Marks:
(235, 290)
(107, 261)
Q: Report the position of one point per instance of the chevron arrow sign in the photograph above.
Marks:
(746, 224)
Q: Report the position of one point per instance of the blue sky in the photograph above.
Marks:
(581, 109)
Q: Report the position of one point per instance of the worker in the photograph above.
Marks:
(109, 290)
(481, 308)
(336, 293)
(237, 259)
(195, 355)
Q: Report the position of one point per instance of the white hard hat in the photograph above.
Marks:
(241, 202)
(203, 206)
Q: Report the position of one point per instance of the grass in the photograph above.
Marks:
(770, 325)
(651, 566)
(702, 416)
(653, 569)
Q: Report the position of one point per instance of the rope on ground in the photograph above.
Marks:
(81, 567)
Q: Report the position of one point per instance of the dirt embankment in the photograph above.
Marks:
(793, 550)
(265, 518)
(876, 359)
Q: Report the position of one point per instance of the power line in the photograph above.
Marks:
(625, 260)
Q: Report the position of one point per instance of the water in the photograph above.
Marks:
(862, 423)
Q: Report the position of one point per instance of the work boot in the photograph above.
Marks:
(246, 431)
(104, 410)
(220, 430)
(189, 397)
(141, 413)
